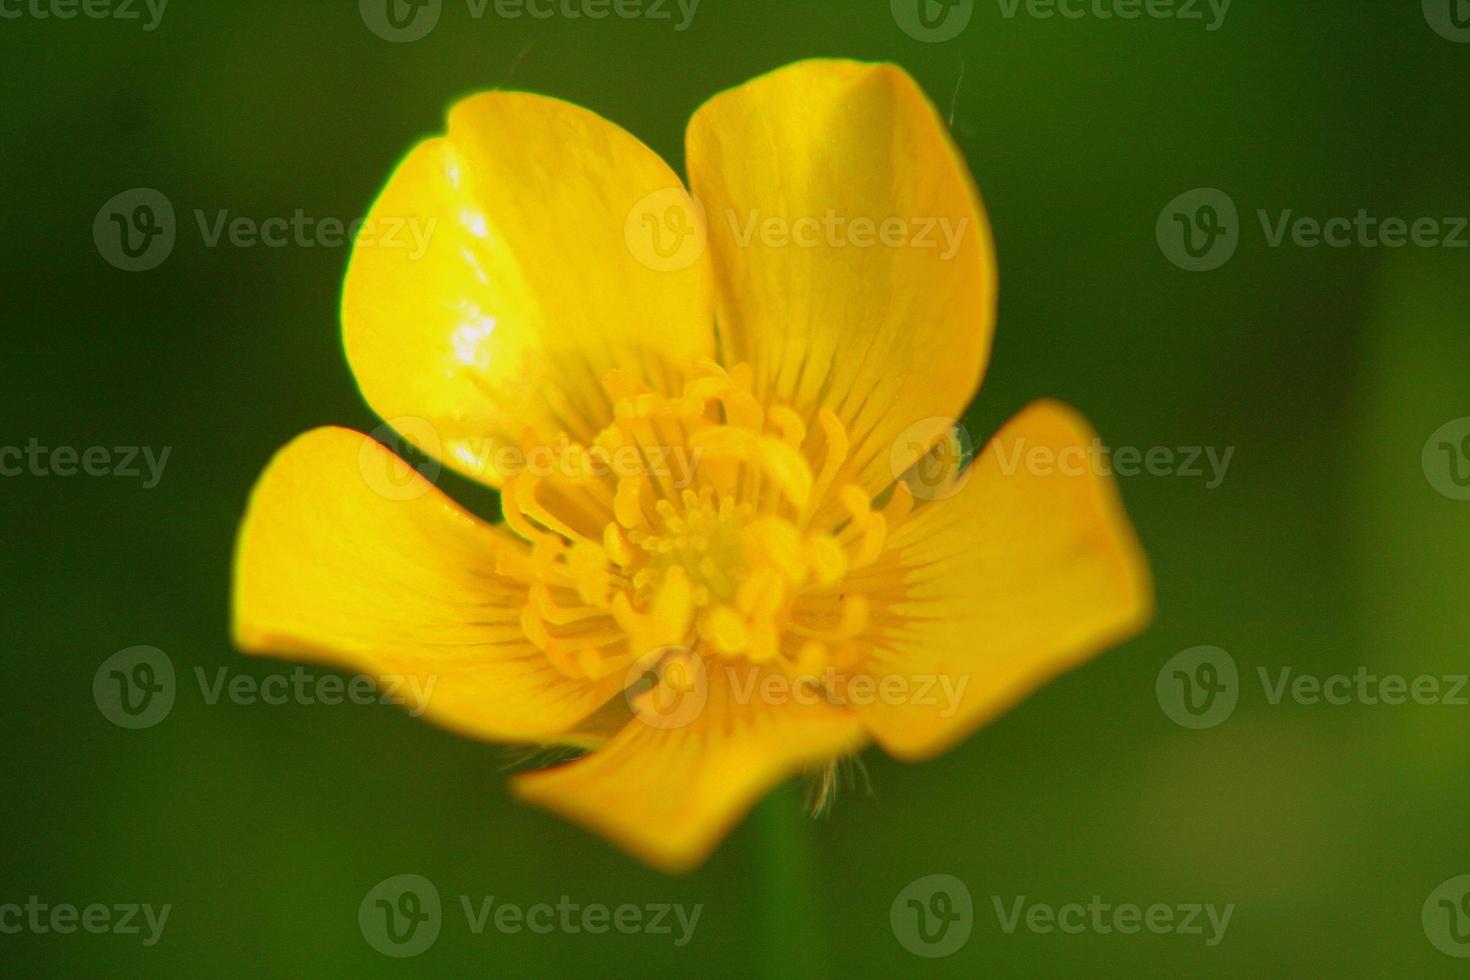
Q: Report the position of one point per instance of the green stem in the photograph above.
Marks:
(792, 910)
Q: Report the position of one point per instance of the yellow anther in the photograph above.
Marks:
(765, 643)
(673, 608)
(727, 442)
(792, 428)
(762, 593)
(615, 543)
(787, 467)
(724, 629)
(627, 561)
(855, 502)
(628, 503)
(777, 542)
(587, 564)
(828, 560)
(834, 456)
(875, 534)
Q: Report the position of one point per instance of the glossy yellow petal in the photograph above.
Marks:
(1029, 569)
(677, 778)
(508, 266)
(853, 261)
(349, 558)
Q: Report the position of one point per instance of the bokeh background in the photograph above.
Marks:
(1326, 548)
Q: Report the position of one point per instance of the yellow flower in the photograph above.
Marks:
(720, 563)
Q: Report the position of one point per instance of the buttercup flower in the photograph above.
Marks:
(735, 545)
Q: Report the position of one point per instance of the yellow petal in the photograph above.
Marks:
(853, 261)
(672, 783)
(390, 578)
(508, 266)
(1031, 568)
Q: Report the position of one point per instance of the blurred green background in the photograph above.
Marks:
(1325, 548)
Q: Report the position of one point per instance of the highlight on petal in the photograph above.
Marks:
(853, 260)
(1030, 568)
(501, 274)
(392, 579)
(681, 774)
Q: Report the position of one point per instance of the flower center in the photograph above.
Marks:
(701, 537)
(707, 520)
